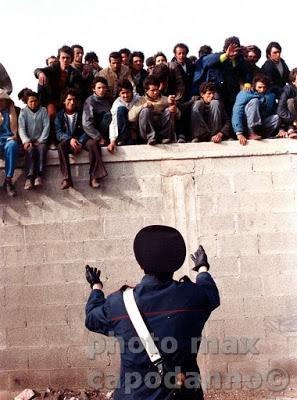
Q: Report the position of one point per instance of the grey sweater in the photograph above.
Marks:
(34, 126)
(94, 108)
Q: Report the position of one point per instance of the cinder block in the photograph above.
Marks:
(12, 318)
(19, 379)
(11, 235)
(208, 204)
(241, 286)
(34, 253)
(13, 255)
(86, 230)
(231, 165)
(10, 359)
(64, 293)
(260, 265)
(45, 315)
(122, 227)
(43, 274)
(2, 338)
(252, 182)
(269, 306)
(230, 308)
(278, 201)
(44, 233)
(2, 262)
(64, 251)
(20, 295)
(224, 266)
(245, 327)
(76, 378)
(212, 225)
(24, 337)
(277, 243)
(213, 183)
(45, 358)
(75, 314)
(12, 275)
(282, 284)
(267, 222)
(79, 356)
(2, 296)
(237, 245)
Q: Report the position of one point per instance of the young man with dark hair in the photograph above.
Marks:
(72, 139)
(115, 73)
(138, 73)
(209, 121)
(182, 71)
(155, 114)
(275, 68)
(252, 55)
(125, 55)
(95, 120)
(78, 53)
(34, 126)
(50, 60)
(254, 112)
(53, 80)
(287, 108)
(121, 130)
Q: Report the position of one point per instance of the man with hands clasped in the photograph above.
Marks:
(174, 312)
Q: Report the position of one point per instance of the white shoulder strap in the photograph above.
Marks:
(140, 327)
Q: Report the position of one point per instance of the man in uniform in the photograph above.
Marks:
(174, 312)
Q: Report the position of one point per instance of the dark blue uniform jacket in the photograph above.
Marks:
(170, 309)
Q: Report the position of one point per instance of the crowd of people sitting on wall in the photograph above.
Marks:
(80, 105)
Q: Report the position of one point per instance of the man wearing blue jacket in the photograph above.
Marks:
(173, 311)
(254, 113)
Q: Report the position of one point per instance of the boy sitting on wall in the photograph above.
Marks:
(155, 114)
(34, 126)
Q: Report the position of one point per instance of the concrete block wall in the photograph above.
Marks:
(239, 202)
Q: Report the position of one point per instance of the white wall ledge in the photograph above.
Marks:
(176, 151)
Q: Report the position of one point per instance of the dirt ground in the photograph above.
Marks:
(66, 394)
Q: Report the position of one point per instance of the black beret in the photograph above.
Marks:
(159, 248)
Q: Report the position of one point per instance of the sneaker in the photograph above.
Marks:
(151, 141)
(28, 184)
(94, 183)
(66, 183)
(9, 188)
(38, 181)
(181, 140)
(254, 136)
(195, 140)
(166, 141)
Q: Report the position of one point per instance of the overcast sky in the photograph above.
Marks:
(34, 29)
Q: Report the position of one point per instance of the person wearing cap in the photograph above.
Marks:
(8, 139)
(173, 311)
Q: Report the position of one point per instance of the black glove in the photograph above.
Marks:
(200, 259)
(93, 276)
